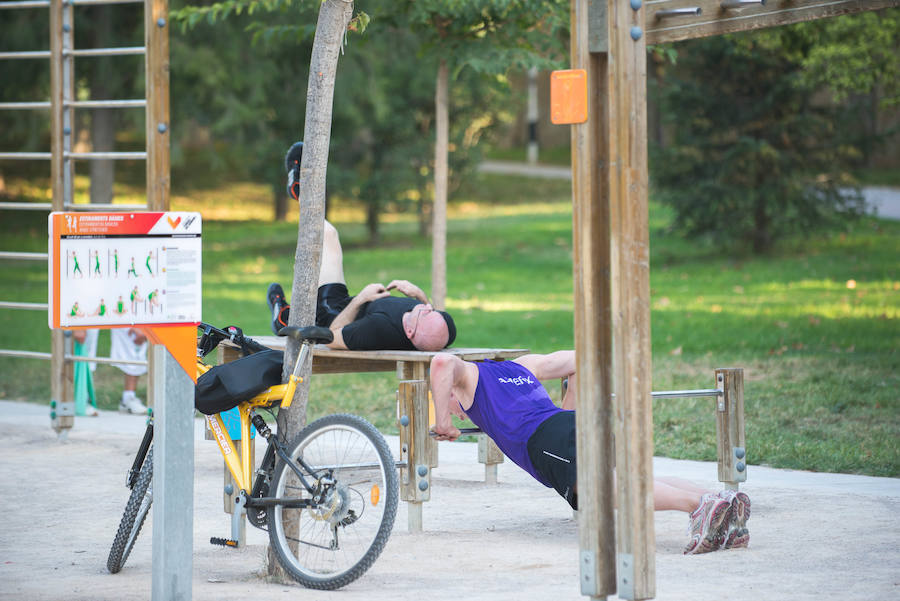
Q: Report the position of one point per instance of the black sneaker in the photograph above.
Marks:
(292, 166)
(278, 306)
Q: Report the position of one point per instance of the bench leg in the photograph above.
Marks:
(415, 443)
(730, 443)
(491, 456)
(414, 521)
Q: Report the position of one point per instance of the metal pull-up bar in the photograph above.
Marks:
(678, 12)
(727, 4)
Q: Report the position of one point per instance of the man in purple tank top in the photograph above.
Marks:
(508, 402)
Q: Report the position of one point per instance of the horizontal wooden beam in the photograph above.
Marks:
(672, 20)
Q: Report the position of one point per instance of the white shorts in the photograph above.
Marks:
(124, 348)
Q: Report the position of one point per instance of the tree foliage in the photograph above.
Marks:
(854, 54)
(755, 155)
(383, 120)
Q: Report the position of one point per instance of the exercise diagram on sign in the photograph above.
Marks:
(126, 269)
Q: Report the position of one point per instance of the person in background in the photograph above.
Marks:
(129, 344)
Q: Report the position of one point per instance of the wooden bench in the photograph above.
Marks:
(418, 450)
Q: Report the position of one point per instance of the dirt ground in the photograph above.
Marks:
(813, 536)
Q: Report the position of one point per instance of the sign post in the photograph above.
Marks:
(143, 270)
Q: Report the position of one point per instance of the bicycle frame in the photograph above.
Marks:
(282, 394)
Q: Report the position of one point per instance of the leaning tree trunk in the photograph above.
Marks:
(334, 16)
(439, 216)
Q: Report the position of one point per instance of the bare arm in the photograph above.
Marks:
(348, 315)
(409, 289)
(450, 387)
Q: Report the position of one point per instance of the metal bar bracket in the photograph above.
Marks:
(588, 565)
(625, 575)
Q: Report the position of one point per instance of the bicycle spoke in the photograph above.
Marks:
(335, 541)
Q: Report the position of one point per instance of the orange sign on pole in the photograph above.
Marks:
(137, 270)
(568, 96)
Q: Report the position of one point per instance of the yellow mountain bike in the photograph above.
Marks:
(328, 497)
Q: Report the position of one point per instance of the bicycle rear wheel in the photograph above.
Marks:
(333, 544)
(136, 511)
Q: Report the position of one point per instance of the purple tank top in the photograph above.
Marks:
(509, 405)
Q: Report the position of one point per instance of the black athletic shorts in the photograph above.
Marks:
(331, 300)
(552, 452)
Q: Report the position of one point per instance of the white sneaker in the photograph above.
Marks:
(132, 404)
(90, 411)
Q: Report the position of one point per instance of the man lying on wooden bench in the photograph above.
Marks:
(373, 319)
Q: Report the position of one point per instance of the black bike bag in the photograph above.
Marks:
(225, 386)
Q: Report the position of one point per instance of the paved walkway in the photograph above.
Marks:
(814, 536)
(882, 201)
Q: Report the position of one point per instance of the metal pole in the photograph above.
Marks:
(678, 12)
(726, 4)
(173, 479)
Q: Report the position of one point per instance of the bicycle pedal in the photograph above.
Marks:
(224, 542)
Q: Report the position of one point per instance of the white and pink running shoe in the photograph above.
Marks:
(706, 527)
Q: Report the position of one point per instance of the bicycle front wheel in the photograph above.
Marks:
(136, 511)
(333, 543)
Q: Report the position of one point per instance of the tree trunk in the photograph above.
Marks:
(279, 200)
(372, 220)
(334, 16)
(439, 216)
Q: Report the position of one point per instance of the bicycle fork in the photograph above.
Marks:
(132, 475)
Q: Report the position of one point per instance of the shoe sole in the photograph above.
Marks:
(738, 538)
(739, 512)
(712, 540)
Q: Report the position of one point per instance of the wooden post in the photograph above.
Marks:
(590, 227)
(491, 456)
(62, 407)
(630, 272)
(415, 478)
(157, 126)
(56, 105)
(730, 442)
(156, 34)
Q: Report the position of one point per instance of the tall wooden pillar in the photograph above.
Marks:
(630, 272)
(593, 333)
(612, 306)
(156, 33)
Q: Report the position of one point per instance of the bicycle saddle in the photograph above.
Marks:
(315, 334)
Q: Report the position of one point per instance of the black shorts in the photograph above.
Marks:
(331, 300)
(552, 452)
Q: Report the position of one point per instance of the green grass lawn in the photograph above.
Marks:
(816, 325)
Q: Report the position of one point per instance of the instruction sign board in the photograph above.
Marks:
(124, 269)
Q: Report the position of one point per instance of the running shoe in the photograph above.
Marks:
(705, 529)
(278, 306)
(736, 533)
(292, 166)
